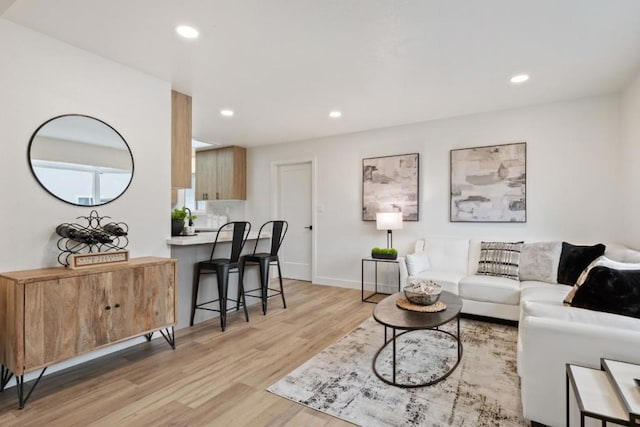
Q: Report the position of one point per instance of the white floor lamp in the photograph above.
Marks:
(389, 221)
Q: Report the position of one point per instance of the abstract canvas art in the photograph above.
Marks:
(488, 184)
(390, 184)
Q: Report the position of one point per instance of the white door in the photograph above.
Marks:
(294, 206)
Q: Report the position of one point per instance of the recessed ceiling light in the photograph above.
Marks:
(226, 113)
(520, 78)
(187, 32)
(335, 114)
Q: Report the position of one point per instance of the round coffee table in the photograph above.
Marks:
(391, 316)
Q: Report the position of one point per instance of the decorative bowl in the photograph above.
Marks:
(423, 292)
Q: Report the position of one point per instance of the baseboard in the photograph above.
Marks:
(349, 284)
(340, 283)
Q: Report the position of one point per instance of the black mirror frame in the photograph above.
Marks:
(89, 117)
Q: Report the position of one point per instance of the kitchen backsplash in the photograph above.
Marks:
(219, 213)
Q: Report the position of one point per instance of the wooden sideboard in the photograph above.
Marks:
(53, 314)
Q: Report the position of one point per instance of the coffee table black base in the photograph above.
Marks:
(392, 341)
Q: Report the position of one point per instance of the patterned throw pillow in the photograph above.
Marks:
(500, 259)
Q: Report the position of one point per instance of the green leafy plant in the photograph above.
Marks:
(182, 214)
(179, 214)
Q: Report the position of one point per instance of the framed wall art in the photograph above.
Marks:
(489, 184)
(390, 184)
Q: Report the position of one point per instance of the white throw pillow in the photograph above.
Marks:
(601, 261)
(417, 263)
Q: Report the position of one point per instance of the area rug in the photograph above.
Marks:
(484, 390)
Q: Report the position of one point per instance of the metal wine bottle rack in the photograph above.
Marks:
(68, 246)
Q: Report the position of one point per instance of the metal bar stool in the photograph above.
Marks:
(222, 267)
(264, 260)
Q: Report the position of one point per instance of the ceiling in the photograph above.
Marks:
(282, 65)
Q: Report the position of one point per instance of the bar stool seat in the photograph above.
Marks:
(222, 268)
(266, 259)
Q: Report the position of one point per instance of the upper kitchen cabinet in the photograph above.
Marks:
(221, 174)
(180, 140)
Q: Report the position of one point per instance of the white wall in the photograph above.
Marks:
(41, 78)
(572, 179)
(630, 153)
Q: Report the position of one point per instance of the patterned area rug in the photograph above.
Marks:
(484, 390)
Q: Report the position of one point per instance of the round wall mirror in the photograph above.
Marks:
(80, 160)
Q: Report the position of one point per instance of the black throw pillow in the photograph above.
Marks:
(574, 259)
(609, 290)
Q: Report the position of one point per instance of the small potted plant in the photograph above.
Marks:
(177, 220)
(382, 253)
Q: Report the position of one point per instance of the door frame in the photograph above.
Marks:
(274, 184)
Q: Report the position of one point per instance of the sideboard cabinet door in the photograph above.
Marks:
(143, 304)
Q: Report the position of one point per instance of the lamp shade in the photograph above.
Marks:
(389, 220)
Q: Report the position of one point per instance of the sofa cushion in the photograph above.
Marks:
(543, 292)
(533, 293)
(539, 261)
(494, 289)
(447, 254)
(557, 310)
(448, 281)
(574, 259)
(611, 291)
(500, 259)
(602, 261)
(417, 262)
(547, 294)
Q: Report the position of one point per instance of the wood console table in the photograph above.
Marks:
(53, 314)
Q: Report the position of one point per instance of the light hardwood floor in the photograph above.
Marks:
(211, 378)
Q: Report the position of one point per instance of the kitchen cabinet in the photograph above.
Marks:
(221, 174)
(53, 314)
(180, 140)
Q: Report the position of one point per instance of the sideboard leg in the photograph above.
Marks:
(169, 335)
(5, 377)
(22, 399)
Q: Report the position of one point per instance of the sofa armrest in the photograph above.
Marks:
(404, 273)
(551, 343)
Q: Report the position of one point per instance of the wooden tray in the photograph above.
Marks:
(404, 304)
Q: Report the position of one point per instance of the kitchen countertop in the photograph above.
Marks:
(207, 237)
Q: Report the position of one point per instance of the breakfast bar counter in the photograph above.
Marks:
(207, 237)
(188, 251)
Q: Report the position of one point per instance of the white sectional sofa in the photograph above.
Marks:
(550, 334)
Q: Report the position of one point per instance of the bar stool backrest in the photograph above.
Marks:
(278, 231)
(240, 231)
